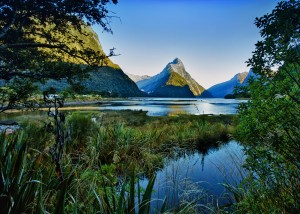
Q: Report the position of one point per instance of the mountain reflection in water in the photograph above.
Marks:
(173, 106)
(197, 175)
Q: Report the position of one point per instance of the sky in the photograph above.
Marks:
(213, 38)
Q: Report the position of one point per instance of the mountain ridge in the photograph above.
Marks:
(173, 75)
(136, 78)
(222, 89)
(107, 78)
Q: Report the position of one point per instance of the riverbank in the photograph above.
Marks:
(133, 134)
(102, 147)
(156, 106)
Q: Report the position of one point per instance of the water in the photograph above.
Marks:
(166, 106)
(197, 176)
(190, 176)
(174, 106)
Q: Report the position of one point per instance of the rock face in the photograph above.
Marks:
(222, 89)
(249, 75)
(111, 80)
(173, 81)
(108, 79)
(136, 78)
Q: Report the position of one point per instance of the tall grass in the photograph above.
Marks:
(27, 185)
(20, 179)
(98, 164)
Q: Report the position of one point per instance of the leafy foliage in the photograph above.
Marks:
(18, 184)
(42, 40)
(269, 124)
(239, 92)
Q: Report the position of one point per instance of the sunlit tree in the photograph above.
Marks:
(270, 122)
(38, 37)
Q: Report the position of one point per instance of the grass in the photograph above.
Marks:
(127, 136)
(104, 153)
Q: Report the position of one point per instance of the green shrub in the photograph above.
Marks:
(80, 129)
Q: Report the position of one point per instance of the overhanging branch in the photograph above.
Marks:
(30, 45)
(7, 26)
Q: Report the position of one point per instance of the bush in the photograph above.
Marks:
(80, 128)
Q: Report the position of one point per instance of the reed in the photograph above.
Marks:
(98, 162)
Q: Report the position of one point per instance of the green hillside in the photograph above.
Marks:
(176, 80)
(108, 78)
(173, 81)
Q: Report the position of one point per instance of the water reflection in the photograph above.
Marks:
(173, 106)
(196, 175)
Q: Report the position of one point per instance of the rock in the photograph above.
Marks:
(8, 123)
(173, 81)
(8, 126)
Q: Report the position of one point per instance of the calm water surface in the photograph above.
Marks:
(174, 106)
(190, 176)
(197, 176)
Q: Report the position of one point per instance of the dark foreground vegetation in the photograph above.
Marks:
(98, 167)
(269, 123)
(104, 155)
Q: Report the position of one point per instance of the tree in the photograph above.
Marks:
(45, 39)
(270, 122)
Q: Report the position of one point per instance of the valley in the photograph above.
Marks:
(157, 107)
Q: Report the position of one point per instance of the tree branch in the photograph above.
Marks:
(30, 45)
(42, 45)
(7, 26)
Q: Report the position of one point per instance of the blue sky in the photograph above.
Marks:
(213, 38)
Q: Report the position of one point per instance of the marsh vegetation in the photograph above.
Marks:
(105, 155)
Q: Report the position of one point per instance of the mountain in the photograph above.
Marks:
(249, 75)
(136, 78)
(106, 79)
(173, 81)
(222, 89)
